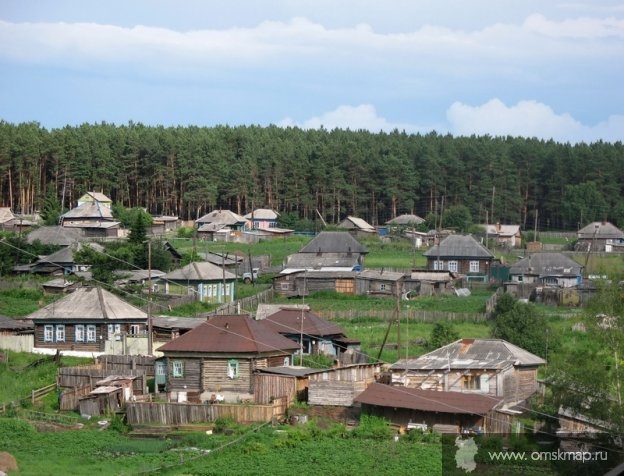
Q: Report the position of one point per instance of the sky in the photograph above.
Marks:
(533, 68)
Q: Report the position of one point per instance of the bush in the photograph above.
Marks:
(372, 427)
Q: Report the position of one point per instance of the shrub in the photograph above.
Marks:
(372, 427)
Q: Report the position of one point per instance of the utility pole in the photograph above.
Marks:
(149, 297)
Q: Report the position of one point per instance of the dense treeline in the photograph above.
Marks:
(189, 171)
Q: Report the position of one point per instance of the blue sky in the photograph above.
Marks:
(530, 68)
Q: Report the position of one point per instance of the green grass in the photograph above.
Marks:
(23, 301)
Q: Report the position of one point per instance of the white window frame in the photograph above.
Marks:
(438, 265)
(177, 368)
(48, 333)
(453, 266)
(91, 333)
(233, 370)
(135, 329)
(59, 333)
(79, 333)
(474, 266)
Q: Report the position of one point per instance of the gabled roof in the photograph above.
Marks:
(199, 271)
(213, 227)
(55, 235)
(95, 196)
(600, 230)
(66, 255)
(288, 321)
(6, 215)
(472, 354)
(459, 246)
(356, 223)
(406, 220)
(8, 323)
(225, 217)
(93, 210)
(546, 264)
(326, 261)
(231, 334)
(171, 322)
(382, 395)
(262, 214)
(91, 304)
(334, 242)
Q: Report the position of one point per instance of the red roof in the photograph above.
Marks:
(288, 321)
(426, 400)
(231, 334)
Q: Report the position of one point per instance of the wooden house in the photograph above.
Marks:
(507, 236)
(95, 197)
(62, 262)
(163, 224)
(328, 251)
(600, 236)
(15, 327)
(7, 219)
(84, 320)
(220, 225)
(405, 221)
(93, 218)
(204, 280)
(339, 386)
(429, 283)
(445, 412)
(313, 335)
(109, 396)
(379, 283)
(461, 254)
(547, 269)
(304, 282)
(490, 367)
(219, 357)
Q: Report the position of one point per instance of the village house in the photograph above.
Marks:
(263, 218)
(55, 235)
(491, 367)
(328, 251)
(547, 269)
(461, 254)
(7, 219)
(88, 321)
(357, 226)
(379, 283)
(204, 280)
(508, 236)
(303, 282)
(600, 236)
(62, 262)
(443, 412)
(219, 357)
(220, 225)
(163, 224)
(429, 283)
(95, 218)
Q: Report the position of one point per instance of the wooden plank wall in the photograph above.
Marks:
(267, 387)
(186, 413)
(70, 396)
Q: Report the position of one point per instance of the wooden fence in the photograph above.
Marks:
(35, 395)
(411, 314)
(245, 304)
(69, 398)
(186, 413)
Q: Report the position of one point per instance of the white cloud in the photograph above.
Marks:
(354, 118)
(529, 119)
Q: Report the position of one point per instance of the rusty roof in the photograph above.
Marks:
(231, 334)
(288, 321)
(426, 400)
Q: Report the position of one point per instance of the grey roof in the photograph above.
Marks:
(66, 255)
(334, 242)
(94, 196)
(406, 220)
(459, 246)
(6, 215)
(138, 275)
(229, 259)
(199, 271)
(226, 217)
(55, 235)
(171, 322)
(431, 275)
(8, 323)
(546, 264)
(602, 230)
(89, 210)
(320, 274)
(380, 274)
(265, 310)
(262, 214)
(326, 260)
(472, 354)
(90, 304)
(290, 371)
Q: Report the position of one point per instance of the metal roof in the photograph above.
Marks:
(230, 335)
(334, 242)
(549, 264)
(89, 210)
(288, 321)
(406, 220)
(472, 354)
(459, 246)
(427, 400)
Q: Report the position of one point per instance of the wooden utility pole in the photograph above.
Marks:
(149, 298)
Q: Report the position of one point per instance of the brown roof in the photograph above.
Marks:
(288, 321)
(426, 400)
(231, 334)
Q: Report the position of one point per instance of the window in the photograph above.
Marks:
(91, 333)
(232, 368)
(48, 333)
(438, 265)
(60, 333)
(80, 333)
(286, 361)
(474, 267)
(453, 266)
(471, 382)
(114, 330)
(134, 329)
(382, 287)
(178, 368)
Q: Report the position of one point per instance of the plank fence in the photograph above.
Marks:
(187, 413)
(35, 395)
(411, 314)
(244, 304)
